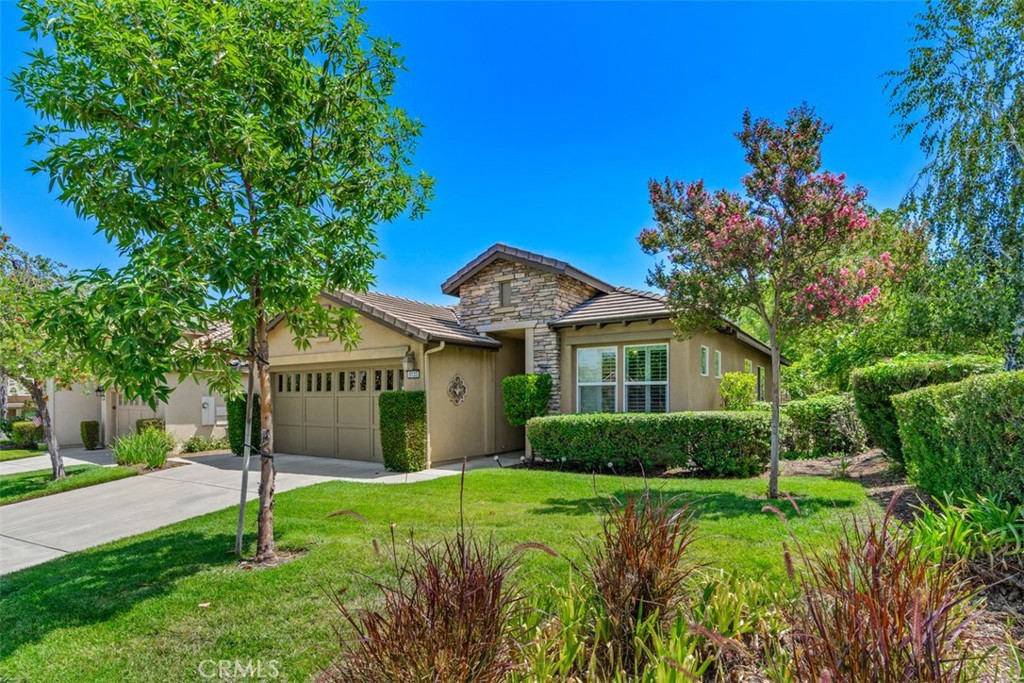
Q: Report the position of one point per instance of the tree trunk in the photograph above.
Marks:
(1013, 361)
(35, 390)
(3, 399)
(773, 477)
(265, 549)
(246, 441)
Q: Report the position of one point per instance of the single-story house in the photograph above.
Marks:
(607, 349)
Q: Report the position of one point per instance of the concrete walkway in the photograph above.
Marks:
(39, 530)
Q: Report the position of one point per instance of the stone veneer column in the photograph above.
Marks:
(547, 359)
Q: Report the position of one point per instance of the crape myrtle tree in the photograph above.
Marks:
(794, 249)
(963, 93)
(27, 353)
(239, 154)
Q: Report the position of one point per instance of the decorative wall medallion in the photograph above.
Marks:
(456, 390)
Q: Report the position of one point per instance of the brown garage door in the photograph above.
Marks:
(331, 412)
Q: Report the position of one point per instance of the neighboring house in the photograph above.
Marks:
(192, 409)
(607, 348)
(18, 400)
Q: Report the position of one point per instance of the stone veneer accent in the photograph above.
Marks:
(536, 295)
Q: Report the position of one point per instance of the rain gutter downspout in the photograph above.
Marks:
(426, 392)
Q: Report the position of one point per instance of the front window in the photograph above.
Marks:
(596, 377)
(718, 364)
(646, 378)
(505, 294)
(760, 383)
(704, 361)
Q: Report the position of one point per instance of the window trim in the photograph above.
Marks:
(718, 363)
(704, 361)
(614, 383)
(626, 383)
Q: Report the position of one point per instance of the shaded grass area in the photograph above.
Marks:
(15, 488)
(19, 453)
(133, 610)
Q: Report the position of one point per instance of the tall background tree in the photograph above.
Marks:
(240, 154)
(797, 249)
(963, 93)
(27, 352)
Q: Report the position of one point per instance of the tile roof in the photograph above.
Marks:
(626, 305)
(617, 306)
(422, 321)
(507, 253)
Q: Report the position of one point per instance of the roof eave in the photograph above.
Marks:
(451, 285)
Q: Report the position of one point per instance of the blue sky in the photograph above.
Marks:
(544, 121)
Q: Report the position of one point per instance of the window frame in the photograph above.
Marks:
(505, 294)
(704, 361)
(626, 383)
(614, 383)
(718, 363)
(761, 377)
(748, 365)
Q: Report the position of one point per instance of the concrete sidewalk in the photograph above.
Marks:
(72, 456)
(39, 530)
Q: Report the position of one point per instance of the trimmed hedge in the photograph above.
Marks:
(236, 424)
(525, 396)
(966, 437)
(716, 443)
(90, 431)
(26, 434)
(403, 430)
(826, 424)
(145, 423)
(874, 386)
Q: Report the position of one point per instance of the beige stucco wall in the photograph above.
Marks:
(466, 430)
(183, 412)
(69, 408)
(376, 342)
(688, 390)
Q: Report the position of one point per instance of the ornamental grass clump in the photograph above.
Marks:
(148, 447)
(875, 609)
(637, 573)
(448, 616)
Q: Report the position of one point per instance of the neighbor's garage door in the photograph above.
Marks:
(331, 412)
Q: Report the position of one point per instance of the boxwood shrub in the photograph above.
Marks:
(825, 424)
(26, 434)
(403, 430)
(738, 390)
(525, 396)
(236, 424)
(966, 437)
(874, 386)
(715, 443)
(145, 423)
(90, 431)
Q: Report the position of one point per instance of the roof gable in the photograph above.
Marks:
(530, 259)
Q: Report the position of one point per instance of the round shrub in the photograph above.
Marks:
(146, 423)
(715, 443)
(525, 396)
(403, 430)
(738, 390)
(90, 431)
(26, 434)
(236, 424)
(874, 386)
(966, 438)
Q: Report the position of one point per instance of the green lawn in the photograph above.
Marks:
(19, 453)
(15, 488)
(131, 610)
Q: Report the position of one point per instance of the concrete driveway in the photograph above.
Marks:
(45, 528)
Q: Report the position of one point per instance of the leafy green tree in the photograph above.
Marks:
(797, 249)
(27, 352)
(240, 154)
(963, 92)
